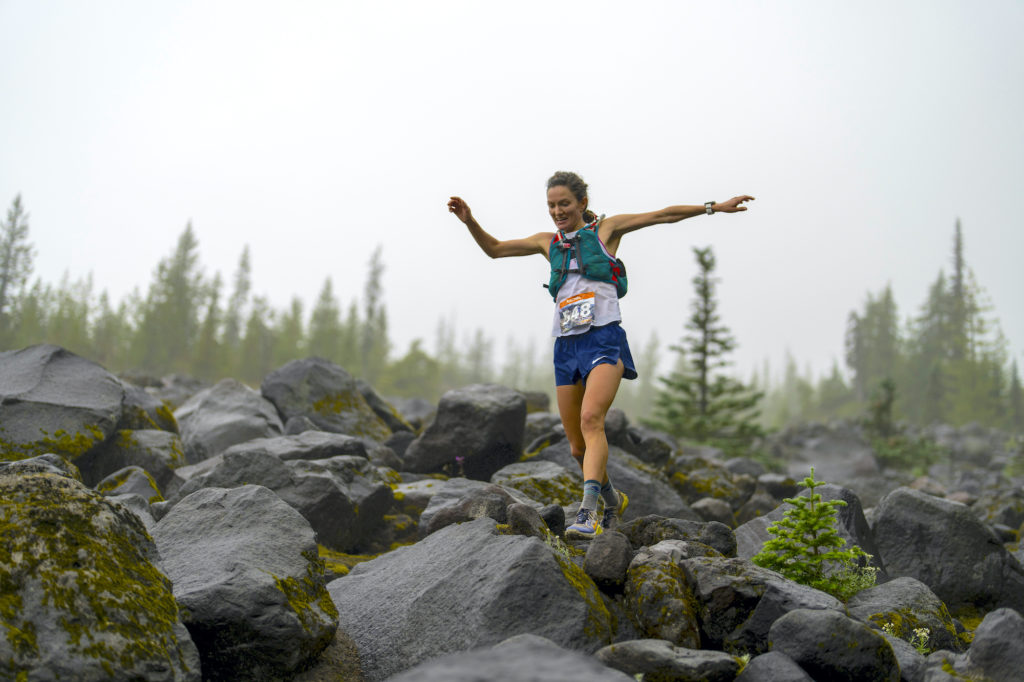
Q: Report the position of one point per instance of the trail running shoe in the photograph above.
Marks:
(586, 526)
(612, 515)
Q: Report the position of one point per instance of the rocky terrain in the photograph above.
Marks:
(160, 529)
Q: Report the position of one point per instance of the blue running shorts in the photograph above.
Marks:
(577, 354)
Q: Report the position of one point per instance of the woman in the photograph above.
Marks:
(591, 352)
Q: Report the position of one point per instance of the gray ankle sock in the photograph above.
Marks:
(608, 494)
(591, 490)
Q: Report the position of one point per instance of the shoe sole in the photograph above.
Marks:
(580, 535)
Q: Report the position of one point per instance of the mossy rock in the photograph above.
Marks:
(80, 595)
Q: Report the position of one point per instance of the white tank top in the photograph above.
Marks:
(585, 302)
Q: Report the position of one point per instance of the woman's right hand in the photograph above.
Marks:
(460, 208)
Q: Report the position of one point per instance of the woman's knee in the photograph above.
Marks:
(592, 420)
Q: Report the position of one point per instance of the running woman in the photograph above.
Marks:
(591, 353)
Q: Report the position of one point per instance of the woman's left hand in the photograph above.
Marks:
(733, 205)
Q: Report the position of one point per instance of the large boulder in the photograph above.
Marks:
(143, 411)
(660, 602)
(305, 445)
(53, 401)
(463, 587)
(343, 498)
(325, 394)
(435, 497)
(83, 596)
(739, 601)
(904, 605)
(945, 546)
(478, 429)
(382, 408)
(158, 452)
(223, 415)
(542, 481)
(523, 658)
(998, 646)
(655, 659)
(246, 572)
(830, 646)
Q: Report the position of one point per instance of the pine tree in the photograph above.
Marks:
(236, 309)
(289, 337)
(698, 401)
(257, 350)
(16, 254)
(1015, 402)
(374, 345)
(325, 325)
(207, 363)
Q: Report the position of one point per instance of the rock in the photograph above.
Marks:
(139, 506)
(246, 573)
(945, 546)
(554, 517)
(43, 464)
(536, 401)
(308, 445)
(998, 646)
(758, 505)
(650, 530)
(142, 411)
(607, 560)
(463, 587)
(450, 493)
(523, 658)
(656, 659)
(649, 446)
(659, 601)
(748, 467)
(615, 425)
(541, 425)
(325, 394)
(738, 601)
(297, 425)
(525, 520)
(1001, 507)
(382, 408)
(707, 482)
(912, 662)
(773, 666)
(906, 604)
(83, 596)
(54, 401)
(160, 453)
(851, 525)
(416, 411)
(176, 389)
(830, 646)
(131, 481)
(491, 502)
(226, 414)
(778, 486)
(399, 442)
(713, 509)
(542, 481)
(481, 424)
(343, 498)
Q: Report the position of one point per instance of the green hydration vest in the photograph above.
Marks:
(593, 260)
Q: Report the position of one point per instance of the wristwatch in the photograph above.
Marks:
(709, 207)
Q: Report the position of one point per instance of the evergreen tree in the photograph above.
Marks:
(169, 321)
(208, 362)
(68, 321)
(16, 254)
(325, 325)
(478, 358)
(415, 375)
(1015, 402)
(289, 337)
(374, 345)
(234, 313)
(873, 342)
(257, 351)
(699, 402)
(111, 334)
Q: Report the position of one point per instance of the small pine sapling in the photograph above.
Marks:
(806, 548)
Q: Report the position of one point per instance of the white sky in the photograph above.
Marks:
(313, 131)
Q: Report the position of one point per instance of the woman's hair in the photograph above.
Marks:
(575, 185)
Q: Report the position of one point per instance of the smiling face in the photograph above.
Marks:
(565, 210)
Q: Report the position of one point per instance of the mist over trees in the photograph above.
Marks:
(947, 360)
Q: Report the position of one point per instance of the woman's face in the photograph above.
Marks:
(564, 209)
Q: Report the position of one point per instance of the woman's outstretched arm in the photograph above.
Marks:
(613, 227)
(496, 248)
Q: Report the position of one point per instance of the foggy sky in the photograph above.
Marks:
(315, 131)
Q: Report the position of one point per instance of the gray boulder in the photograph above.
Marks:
(343, 498)
(131, 481)
(830, 646)
(305, 445)
(41, 464)
(477, 431)
(998, 646)
(542, 481)
(522, 658)
(143, 411)
(247, 575)
(739, 601)
(648, 445)
(648, 531)
(159, 452)
(656, 659)
(773, 666)
(436, 496)
(660, 602)
(382, 408)
(84, 597)
(223, 415)
(490, 502)
(326, 394)
(945, 546)
(906, 604)
(607, 560)
(53, 401)
(463, 587)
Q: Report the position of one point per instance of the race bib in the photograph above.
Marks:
(577, 311)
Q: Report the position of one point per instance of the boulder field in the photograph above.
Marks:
(311, 529)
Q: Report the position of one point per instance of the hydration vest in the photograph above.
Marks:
(592, 260)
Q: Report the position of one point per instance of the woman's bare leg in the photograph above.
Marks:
(601, 387)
